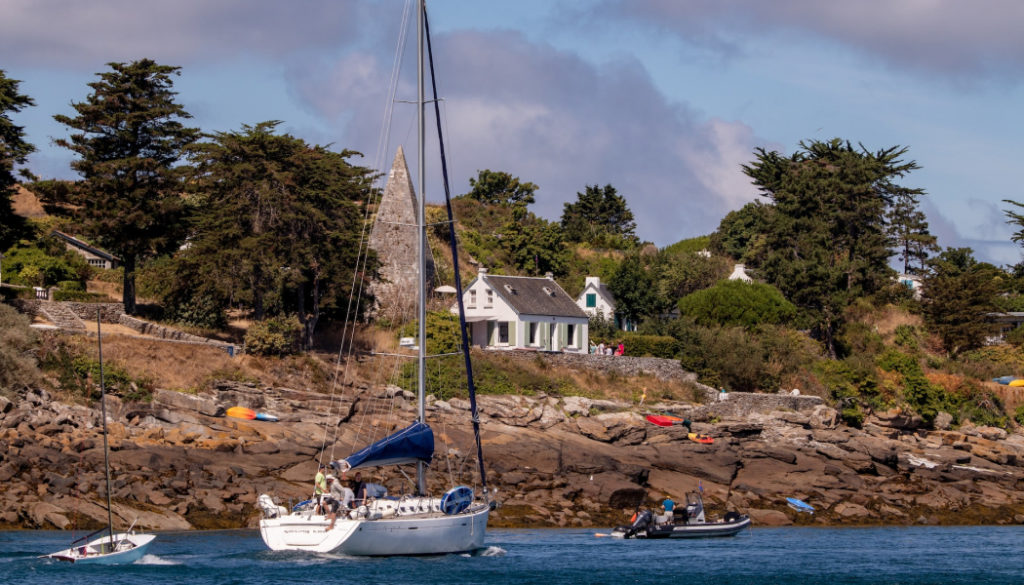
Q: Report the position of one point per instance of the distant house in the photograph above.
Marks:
(94, 256)
(911, 281)
(739, 272)
(596, 299)
(518, 312)
(1005, 323)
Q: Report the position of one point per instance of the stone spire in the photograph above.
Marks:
(393, 237)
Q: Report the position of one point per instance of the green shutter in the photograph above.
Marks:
(591, 300)
(491, 333)
(513, 332)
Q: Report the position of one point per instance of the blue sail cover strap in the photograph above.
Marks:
(409, 445)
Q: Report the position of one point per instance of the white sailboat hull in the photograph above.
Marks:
(128, 548)
(415, 534)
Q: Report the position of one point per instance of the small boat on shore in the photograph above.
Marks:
(687, 522)
(800, 505)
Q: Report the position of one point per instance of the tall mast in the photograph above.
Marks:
(106, 446)
(421, 236)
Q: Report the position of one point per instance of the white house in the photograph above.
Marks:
(911, 281)
(519, 312)
(596, 299)
(94, 256)
(739, 272)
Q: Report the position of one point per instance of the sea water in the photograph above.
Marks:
(895, 556)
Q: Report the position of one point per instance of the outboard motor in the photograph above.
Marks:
(270, 509)
(643, 520)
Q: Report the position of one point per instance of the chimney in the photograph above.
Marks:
(549, 276)
(592, 280)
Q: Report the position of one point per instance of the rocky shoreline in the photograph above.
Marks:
(178, 463)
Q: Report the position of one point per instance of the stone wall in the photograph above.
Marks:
(169, 333)
(109, 312)
(740, 405)
(660, 368)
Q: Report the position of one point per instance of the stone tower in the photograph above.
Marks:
(393, 237)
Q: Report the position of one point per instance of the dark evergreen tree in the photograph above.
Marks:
(14, 151)
(129, 139)
(599, 216)
(497, 187)
(741, 233)
(632, 287)
(535, 245)
(957, 296)
(909, 229)
(277, 223)
(828, 240)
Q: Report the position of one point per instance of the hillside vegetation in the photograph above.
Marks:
(256, 227)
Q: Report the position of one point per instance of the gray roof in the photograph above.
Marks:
(83, 246)
(535, 296)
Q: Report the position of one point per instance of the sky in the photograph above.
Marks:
(662, 99)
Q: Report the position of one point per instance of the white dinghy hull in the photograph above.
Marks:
(127, 548)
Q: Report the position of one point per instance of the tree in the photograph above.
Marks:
(741, 232)
(535, 245)
(500, 188)
(277, 223)
(909, 229)
(957, 296)
(827, 242)
(14, 150)
(599, 216)
(632, 286)
(130, 138)
(681, 273)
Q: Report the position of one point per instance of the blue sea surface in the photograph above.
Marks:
(892, 556)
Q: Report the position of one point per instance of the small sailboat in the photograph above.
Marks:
(110, 548)
(417, 523)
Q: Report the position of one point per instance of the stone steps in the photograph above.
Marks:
(61, 315)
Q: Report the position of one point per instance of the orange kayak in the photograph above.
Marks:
(241, 412)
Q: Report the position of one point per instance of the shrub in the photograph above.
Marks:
(79, 373)
(274, 336)
(661, 346)
(79, 296)
(18, 341)
(733, 302)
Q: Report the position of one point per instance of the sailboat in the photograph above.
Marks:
(419, 523)
(110, 548)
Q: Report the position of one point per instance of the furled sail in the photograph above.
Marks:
(412, 444)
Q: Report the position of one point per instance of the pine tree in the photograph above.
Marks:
(277, 223)
(129, 139)
(828, 240)
(599, 216)
(14, 150)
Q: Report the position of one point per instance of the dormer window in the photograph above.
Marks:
(509, 288)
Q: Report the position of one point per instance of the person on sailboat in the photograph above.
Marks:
(320, 487)
(357, 488)
(339, 497)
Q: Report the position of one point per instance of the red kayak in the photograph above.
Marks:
(663, 420)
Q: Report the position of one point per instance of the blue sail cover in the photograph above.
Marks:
(412, 444)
